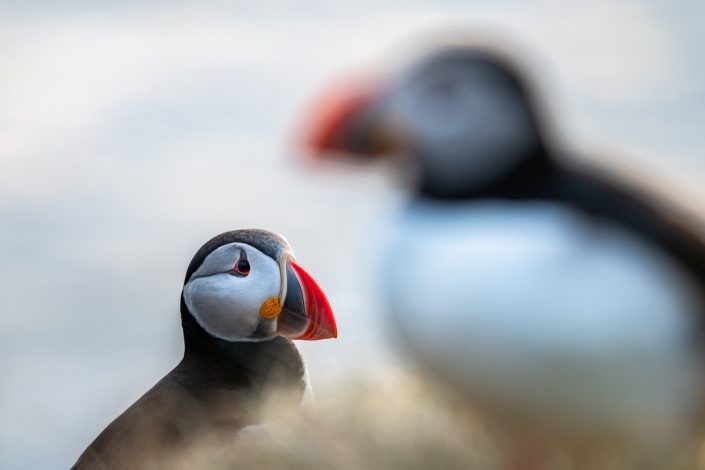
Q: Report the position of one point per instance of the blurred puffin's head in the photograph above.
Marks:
(460, 118)
(245, 285)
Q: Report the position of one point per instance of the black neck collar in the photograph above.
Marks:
(527, 180)
(274, 362)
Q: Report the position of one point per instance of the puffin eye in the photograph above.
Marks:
(242, 267)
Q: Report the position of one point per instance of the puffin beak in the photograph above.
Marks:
(306, 313)
(348, 120)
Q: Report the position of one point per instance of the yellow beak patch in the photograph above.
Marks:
(270, 308)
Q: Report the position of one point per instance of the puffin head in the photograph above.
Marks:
(458, 119)
(245, 285)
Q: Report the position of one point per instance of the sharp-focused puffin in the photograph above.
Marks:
(244, 299)
(548, 292)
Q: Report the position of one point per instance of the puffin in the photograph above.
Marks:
(562, 300)
(244, 299)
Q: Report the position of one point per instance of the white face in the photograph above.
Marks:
(226, 301)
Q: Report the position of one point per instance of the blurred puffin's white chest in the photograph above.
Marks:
(547, 311)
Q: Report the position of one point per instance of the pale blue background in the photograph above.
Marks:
(132, 132)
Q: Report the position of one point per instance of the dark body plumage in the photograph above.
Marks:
(208, 397)
(200, 398)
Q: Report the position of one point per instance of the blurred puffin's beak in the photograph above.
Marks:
(306, 313)
(348, 120)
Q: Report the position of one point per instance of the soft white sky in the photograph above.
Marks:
(132, 133)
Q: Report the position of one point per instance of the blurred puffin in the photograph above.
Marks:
(556, 296)
(244, 299)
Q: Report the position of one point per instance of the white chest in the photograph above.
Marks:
(547, 312)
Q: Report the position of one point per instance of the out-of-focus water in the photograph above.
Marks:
(132, 133)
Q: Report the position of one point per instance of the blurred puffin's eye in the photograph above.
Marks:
(242, 267)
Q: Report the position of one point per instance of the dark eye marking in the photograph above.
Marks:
(242, 266)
